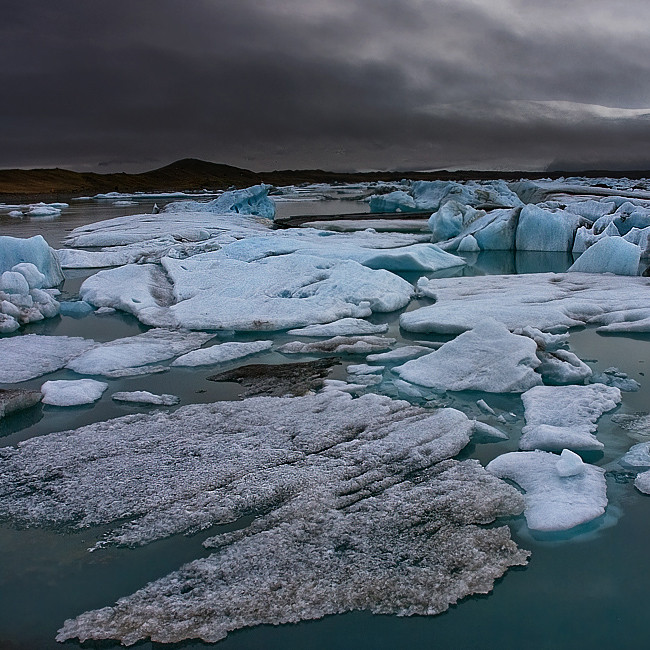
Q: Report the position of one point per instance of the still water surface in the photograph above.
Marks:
(581, 590)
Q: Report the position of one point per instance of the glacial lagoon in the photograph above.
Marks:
(582, 588)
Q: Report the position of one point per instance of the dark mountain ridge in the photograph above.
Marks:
(190, 175)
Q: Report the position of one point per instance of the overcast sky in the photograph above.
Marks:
(336, 84)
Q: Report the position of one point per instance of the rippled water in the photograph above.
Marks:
(581, 590)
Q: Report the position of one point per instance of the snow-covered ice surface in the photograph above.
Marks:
(72, 392)
(553, 502)
(547, 301)
(136, 352)
(487, 358)
(361, 490)
(564, 417)
(32, 355)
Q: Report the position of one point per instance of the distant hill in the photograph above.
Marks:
(190, 174)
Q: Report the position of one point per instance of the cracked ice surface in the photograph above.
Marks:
(270, 294)
(553, 502)
(361, 490)
(546, 301)
(559, 417)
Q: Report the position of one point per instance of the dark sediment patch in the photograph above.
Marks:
(294, 379)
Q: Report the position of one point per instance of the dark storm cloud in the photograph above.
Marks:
(329, 83)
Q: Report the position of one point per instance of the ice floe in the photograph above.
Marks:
(339, 345)
(361, 490)
(145, 397)
(274, 293)
(72, 392)
(399, 355)
(32, 355)
(564, 417)
(342, 327)
(374, 250)
(136, 352)
(487, 358)
(222, 353)
(540, 229)
(547, 301)
(554, 502)
(614, 377)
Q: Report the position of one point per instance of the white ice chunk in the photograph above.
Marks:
(8, 324)
(342, 327)
(564, 417)
(73, 392)
(642, 482)
(35, 250)
(222, 353)
(614, 377)
(570, 464)
(145, 397)
(35, 279)
(339, 345)
(397, 201)
(545, 341)
(488, 358)
(14, 282)
(399, 355)
(364, 369)
(562, 367)
(553, 502)
(485, 407)
(43, 210)
(483, 432)
(33, 355)
(609, 255)
(136, 351)
(637, 456)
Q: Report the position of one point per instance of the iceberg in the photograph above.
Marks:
(609, 255)
(540, 229)
(397, 201)
(32, 355)
(562, 367)
(564, 417)
(72, 392)
(553, 502)
(638, 456)
(34, 250)
(222, 353)
(487, 358)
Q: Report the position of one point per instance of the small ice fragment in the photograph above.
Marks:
(485, 407)
(569, 464)
(145, 397)
(72, 392)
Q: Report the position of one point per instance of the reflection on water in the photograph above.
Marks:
(579, 591)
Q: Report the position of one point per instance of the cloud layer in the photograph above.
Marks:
(354, 84)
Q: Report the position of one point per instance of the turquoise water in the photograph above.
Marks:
(581, 590)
